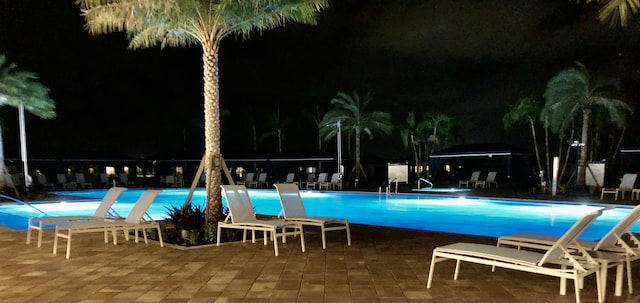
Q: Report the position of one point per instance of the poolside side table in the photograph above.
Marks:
(635, 194)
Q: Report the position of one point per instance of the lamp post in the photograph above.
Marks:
(23, 144)
(578, 145)
(339, 139)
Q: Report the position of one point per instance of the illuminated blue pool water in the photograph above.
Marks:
(474, 216)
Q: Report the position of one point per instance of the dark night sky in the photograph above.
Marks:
(469, 59)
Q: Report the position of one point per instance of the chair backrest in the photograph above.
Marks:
(80, 178)
(104, 178)
(290, 177)
(335, 178)
(322, 177)
(474, 176)
(262, 177)
(557, 250)
(239, 203)
(169, 179)
(107, 201)
(622, 227)
(124, 178)
(142, 205)
(290, 200)
(62, 179)
(491, 176)
(248, 177)
(628, 181)
(42, 179)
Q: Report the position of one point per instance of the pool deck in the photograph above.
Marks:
(384, 265)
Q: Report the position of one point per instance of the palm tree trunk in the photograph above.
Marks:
(547, 176)
(583, 149)
(213, 162)
(358, 165)
(535, 144)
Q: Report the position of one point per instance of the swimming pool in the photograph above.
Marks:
(464, 215)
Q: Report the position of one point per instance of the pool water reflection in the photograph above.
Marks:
(464, 215)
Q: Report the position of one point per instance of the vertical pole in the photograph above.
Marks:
(339, 139)
(23, 144)
(554, 183)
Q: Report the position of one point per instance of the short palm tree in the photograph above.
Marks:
(352, 113)
(574, 93)
(150, 23)
(21, 88)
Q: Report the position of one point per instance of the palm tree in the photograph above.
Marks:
(573, 93)
(275, 125)
(150, 23)
(21, 88)
(353, 117)
(316, 118)
(411, 136)
(617, 11)
(526, 110)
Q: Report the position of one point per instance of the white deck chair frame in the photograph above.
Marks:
(571, 266)
(241, 216)
(626, 185)
(472, 180)
(615, 248)
(103, 211)
(134, 220)
(293, 211)
(82, 182)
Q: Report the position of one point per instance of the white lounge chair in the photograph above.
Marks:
(322, 178)
(472, 180)
(241, 216)
(42, 181)
(63, 183)
(335, 181)
(103, 211)
(558, 261)
(82, 182)
(626, 185)
(486, 183)
(293, 211)
(624, 252)
(124, 180)
(135, 220)
(262, 180)
(247, 180)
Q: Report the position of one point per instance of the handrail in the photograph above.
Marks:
(388, 183)
(22, 202)
(426, 181)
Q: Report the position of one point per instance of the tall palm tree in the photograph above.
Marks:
(316, 118)
(275, 125)
(354, 118)
(411, 136)
(527, 110)
(574, 93)
(617, 11)
(21, 88)
(150, 23)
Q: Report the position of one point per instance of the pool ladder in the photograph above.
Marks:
(388, 186)
(426, 181)
(21, 202)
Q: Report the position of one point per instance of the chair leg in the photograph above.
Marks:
(275, 242)
(69, 244)
(431, 270)
(302, 244)
(348, 235)
(55, 241)
(40, 227)
(217, 235)
(160, 236)
(324, 240)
